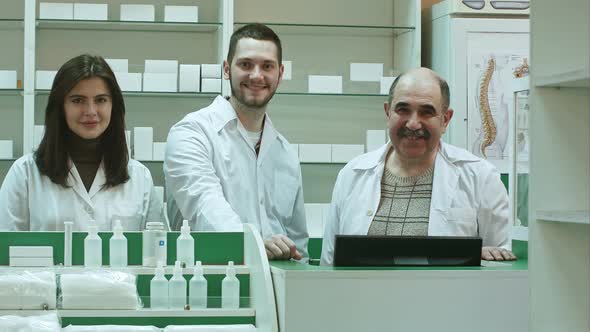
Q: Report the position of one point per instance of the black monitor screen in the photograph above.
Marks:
(365, 250)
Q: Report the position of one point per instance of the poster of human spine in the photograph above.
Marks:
(489, 93)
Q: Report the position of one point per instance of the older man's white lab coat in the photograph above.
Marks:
(468, 199)
(215, 180)
(31, 201)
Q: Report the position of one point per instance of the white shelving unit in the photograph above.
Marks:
(385, 31)
(560, 163)
(261, 307)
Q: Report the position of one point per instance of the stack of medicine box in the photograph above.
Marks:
(211, 78)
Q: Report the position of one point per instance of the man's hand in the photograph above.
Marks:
(281, 247)
(496, 254)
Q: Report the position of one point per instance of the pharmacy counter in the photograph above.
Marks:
(489, 298)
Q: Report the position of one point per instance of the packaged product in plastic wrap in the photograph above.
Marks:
(42, 323)
(28, 290)
(99, 289)
(211, 328)
(110, 328)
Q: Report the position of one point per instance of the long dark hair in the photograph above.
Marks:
(51, 157)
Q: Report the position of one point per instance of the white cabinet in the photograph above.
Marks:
(560, 166)
(477, 52)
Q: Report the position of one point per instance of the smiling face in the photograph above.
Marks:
(415, 118)
(254, 73)
(88, 108)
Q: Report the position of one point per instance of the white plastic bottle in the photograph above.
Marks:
(118, 246)
(159, 289)
(185, 246)
(230, 289)
(197, 290)
(92, 247)
(177, 289)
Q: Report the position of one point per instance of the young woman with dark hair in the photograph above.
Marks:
(81, 171)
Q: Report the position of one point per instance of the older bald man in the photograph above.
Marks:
(416, 184)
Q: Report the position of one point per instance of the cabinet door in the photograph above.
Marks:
(485, 55)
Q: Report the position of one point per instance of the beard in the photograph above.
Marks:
(236, 93)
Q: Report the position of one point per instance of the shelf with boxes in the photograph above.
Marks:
(11, 89)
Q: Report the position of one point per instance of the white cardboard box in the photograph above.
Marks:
(343, 153)
(129, 81)
(315, 153)
(161, 66)
(159, 192)
(118, 65)
(288, 71)
(375, 139)
(159, 151)
(181, 14)
(144, 13)
(56, 11)
(324, 84)
(366, 72)
(210, 70)
(45, 79)
(30, 251)
(189, 78)
(160, 82)
(38, 133)
(7, 79)
(91, 11)
(31, 261)
(6, 149)
(386, 83)
(211, 85)
(143, 142)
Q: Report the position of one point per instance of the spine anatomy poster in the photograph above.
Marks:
(489, 99)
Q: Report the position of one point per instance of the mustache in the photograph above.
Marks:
(418, 133)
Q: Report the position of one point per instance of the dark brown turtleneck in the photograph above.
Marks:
(86, 155)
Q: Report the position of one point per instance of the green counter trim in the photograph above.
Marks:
(160, 322)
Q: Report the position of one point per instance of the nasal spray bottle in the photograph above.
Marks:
(177, 288)
(230, 289)
(159, 289)
(92, 247)
(118, 246)
(197, 290)
(185, 246)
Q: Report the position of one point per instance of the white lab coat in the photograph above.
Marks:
(468, 199)
(30, 201)
(215, 181)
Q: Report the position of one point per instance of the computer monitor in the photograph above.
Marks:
(366, 250)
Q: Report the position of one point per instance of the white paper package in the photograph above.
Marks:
(28, 290)
(211, 328)
(42, 323)
(110, 328)
(99, 289)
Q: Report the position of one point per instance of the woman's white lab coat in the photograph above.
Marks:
(468, 199)
(30, 201)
